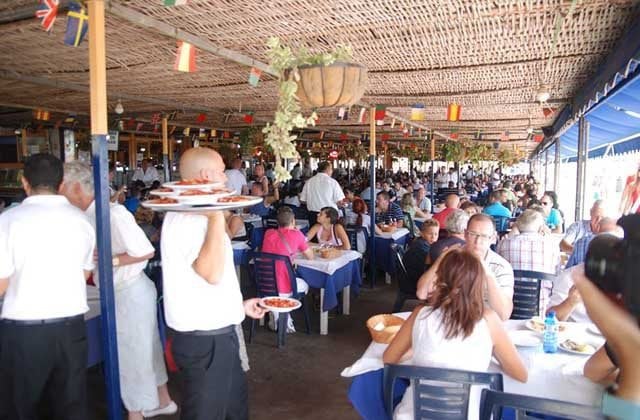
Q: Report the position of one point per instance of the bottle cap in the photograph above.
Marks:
(551, 314)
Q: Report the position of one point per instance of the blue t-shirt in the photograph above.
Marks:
(554, 219)
(260, 209)
(132, 204)
(393, 213)
(497, 210)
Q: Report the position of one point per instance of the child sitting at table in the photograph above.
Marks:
(456, 330)
(286, 240)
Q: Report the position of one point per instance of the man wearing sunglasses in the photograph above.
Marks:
(583, 228)
(479, 236)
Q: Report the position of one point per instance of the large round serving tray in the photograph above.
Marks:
(247, 201)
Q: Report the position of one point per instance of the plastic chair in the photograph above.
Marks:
(269, 222)
(264, 273)
(353, 231)
(403, 278)
(409, 224)
(437, 393)
(526, 293)
(492, 402)
(501, 224)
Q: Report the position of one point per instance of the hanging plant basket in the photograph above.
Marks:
(337, 84)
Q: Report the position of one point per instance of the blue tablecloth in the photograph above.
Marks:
(384, 258)
(349, 275)
(241, 256)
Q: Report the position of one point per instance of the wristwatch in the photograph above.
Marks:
(115, 261)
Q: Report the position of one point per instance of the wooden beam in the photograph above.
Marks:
(165, 29)
(98, 71)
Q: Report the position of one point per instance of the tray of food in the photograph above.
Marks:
(188, 184)
(577, 346)
(537, 324)
(280, 304)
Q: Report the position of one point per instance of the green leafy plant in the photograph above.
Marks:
(288, 115)
(452, 151)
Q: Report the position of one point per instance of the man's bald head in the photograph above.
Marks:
(202, 163)
(607, 224)
(452, 201)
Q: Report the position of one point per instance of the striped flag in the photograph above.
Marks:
(417, 112)
(47, 11)
(343, 114)
(185, 57)
(363, 111)
(175, 2)
(254, 76)
(77, 24)
(453, 112)
(380, 112)
(504, 136)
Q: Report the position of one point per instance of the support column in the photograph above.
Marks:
(546, 168)
(433, 172)
(556, 172)
(372, 184)
(133, 150)
(165, 150)
(99, 132)
(583, 147)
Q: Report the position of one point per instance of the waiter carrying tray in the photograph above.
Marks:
(203, 303)
(46, 255)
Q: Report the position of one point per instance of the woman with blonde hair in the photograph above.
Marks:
(456, 330)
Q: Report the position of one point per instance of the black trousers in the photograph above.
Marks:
(214, 384)
(43, 370)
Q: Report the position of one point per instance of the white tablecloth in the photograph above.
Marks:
(557, 376)
(328, 266)
(397, 234)
(240, 245)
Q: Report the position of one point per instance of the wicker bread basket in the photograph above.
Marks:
(391, 324)
(328, 253)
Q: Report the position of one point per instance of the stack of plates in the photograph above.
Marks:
(197, 195)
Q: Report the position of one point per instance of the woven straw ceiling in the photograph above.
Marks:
(489, 56)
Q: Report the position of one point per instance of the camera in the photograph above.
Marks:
(613, 264)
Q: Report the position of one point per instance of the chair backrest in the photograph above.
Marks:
(408, 220)
(492, 402)
(353, 233)
(438, 393)
(264, 270)
(398, 254)
(501, 224)
(269, 222)
(526, 293)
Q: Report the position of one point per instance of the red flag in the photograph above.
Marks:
(248, 117)
(155, 118)
(47, 11)
(538, 138)
(380, 112)
(201, 118)
(385, 136)
(547, 112)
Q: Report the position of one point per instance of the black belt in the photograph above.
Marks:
(42, 321)
(219, 331)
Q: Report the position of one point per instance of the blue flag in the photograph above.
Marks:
(77, 24)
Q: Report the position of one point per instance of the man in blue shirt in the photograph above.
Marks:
(606, 225)
(495, 208)
(388, 213)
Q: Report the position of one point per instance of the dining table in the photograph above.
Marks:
(557, 376)
(257, 234)
(332, 276)
(384, 257)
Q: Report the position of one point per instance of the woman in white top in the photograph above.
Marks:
(456, 330)
(235, 225)
(328, 231)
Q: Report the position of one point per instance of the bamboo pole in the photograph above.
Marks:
(372, 185)
(99, 131)
(165, 150)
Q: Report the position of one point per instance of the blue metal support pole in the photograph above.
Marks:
(105, 272)
(433, 190)
(583, 147)
(99, 133)
(372, 212)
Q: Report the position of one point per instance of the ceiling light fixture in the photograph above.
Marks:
(543, 94)
(119, 109)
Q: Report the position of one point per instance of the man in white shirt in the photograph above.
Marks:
(203, 303)
(46, 255)
(236, 179)
(321, 191)
(565, 299)
(479, 236)
(147, 173)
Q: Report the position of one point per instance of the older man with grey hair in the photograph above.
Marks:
(455, 225)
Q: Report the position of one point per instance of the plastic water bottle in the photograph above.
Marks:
(550, 338)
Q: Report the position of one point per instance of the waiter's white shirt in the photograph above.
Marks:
(190, 302)
(148, 176)
(321, 191)
(126, 236)
(235, 180)
(45, 245)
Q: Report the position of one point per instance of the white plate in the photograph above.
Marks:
(249, 201)
(525, 338)
(155, 206)
(163, 193)
(195, 208)
(176, 186)
(278, 309)
(592, 349)
(534, 323)
(593, 329)
(201, 199)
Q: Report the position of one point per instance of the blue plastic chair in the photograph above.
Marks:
(269, 222)
(492, 403)
(264, 274)
(447, 398)
(502, 225)
(526, 293)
